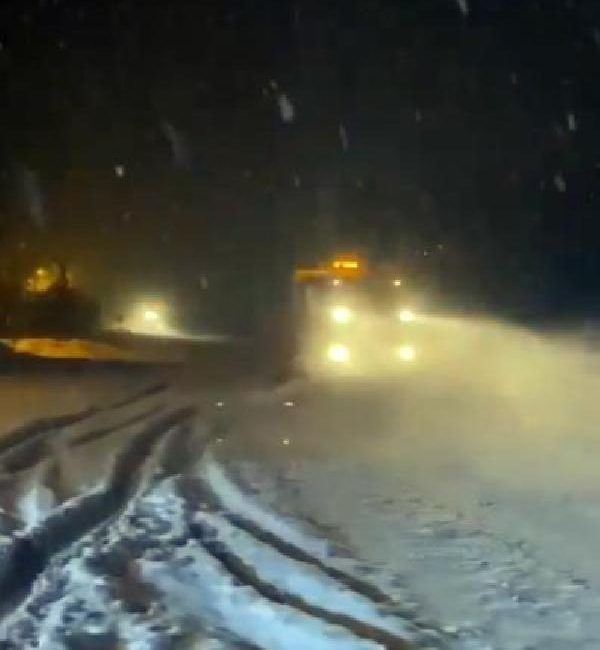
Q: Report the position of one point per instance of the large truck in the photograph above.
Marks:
(356, 319)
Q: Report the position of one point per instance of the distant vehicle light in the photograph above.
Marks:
(346, 264)
(147, 318)
(151, 316)
(397, 282)
(338, 353)
(341, 315)
(406, 353)
(407, 315)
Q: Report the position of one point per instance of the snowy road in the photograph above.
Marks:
(454, 507)
(120, 530)
(470, 491)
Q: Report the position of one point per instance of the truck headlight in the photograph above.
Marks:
(341, 315)
(407, 315)
(338, 353)
(406, 352)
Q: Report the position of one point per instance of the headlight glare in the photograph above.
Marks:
(407, 353)
(341, 315)
(338, 353)
(407, 315)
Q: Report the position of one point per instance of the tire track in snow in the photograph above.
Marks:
(221, 493)
(151, 551)
(214, 491)
(31, 551)
(100, 432)
(249, 575)
(21, 446)
(147, 391)
(41, 427)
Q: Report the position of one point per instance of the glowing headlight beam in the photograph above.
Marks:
(338, 353)
(407, 316)
(151, 315)
(341, 315)
(406, 353)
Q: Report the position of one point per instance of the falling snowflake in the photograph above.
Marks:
(343, 137)
(571, 121)
(418, 116)
(120, 170)
(179, 150)
(514, 78)
(463, 5)
(596, 36)
(297, 181)
(560, 182)
(33, 197)
(286, 108)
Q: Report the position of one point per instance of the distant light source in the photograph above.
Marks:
(406, 353)
(151, 315)
(397, 282)
(407, 315)
(341, 315)
(345, 264)
(338, 353)
(147, 318)
(336, 282)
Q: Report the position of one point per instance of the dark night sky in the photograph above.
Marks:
(150, 143)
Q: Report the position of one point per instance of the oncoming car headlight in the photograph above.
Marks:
(338, 353)
(406, 352)
(341, 315)
(407, 315)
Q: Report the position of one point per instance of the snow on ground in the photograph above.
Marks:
(473, 484)
(298, 578)
(27, 396)
(194, 582)
(142, 582)
(486, 590)
(235, 502)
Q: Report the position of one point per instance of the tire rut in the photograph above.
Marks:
(197, 495)
(27, 445)
(248, 576)
(153, 389)
(31, 552)
(42, 426)
(201, 492)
